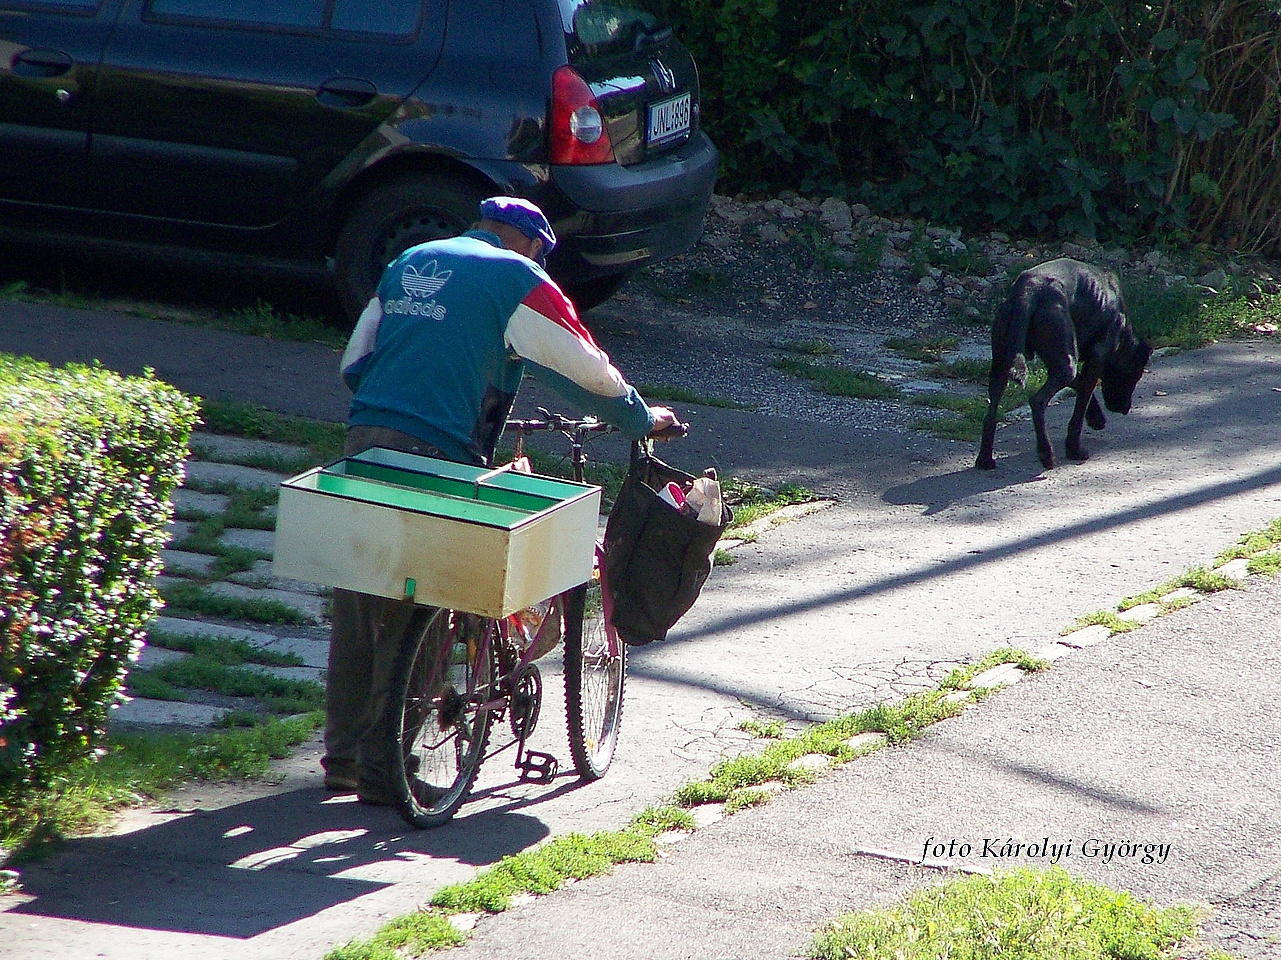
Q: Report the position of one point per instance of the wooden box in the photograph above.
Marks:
(441, 533)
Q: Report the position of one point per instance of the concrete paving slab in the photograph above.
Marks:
(226, 449)
(309, 605)
(210, 503)
(865, 741)
(1002, 675)
(153, 657)
(1236, 569)
(313, 653)
(183, 563)
(1086, 636)
(183, 627)
(178, 530)
(263, 541)
(261, 575)
(312, 674)
(252, 478)
(1054, 651)
(163, 713)
(1141, 613)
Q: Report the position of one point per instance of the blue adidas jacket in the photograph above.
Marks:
(440, 350)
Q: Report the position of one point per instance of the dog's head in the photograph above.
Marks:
(1123, 369)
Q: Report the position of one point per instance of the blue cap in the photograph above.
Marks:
(521, 214)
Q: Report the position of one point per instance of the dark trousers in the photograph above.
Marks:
(366, 636)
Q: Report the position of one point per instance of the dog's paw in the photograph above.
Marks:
(1047, 458)
(1077, 452)
(1095, 418)
(985, 462)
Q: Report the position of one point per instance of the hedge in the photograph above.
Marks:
(88, 461)
(1110, 118)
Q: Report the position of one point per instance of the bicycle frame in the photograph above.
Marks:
(516, 660)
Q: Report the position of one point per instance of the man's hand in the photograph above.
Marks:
(665, 422)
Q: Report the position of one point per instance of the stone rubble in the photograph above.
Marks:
(846, 227)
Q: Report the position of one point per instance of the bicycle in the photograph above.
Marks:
(459, 674)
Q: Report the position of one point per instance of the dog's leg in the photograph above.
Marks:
(1085, 401)
(996, 381)
(1094, 414)
(1058, 379)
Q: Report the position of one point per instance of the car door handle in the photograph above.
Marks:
(42, 63)
(346, 92)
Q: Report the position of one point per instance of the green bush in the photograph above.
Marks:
(1105, 118)
(88, 460)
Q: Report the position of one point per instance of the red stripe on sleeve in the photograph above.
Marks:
(555, 306)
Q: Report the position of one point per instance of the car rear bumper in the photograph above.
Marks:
(625, 217)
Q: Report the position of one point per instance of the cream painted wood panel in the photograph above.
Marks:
(493, 570)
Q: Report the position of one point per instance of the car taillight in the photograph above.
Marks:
(578, 129)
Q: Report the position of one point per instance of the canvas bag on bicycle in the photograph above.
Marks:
(656, 559)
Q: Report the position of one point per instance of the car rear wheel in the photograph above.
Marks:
(392, 218)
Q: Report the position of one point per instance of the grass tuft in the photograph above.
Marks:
(810, 347)
(194, 598)
(765, 729)
(249, 420)
(545, 868)
(1025, 913)
(171, 681)
(1102, 618)
(838, 381)
(750, 502)
(924, 349)
(230, 651)
(408, 936)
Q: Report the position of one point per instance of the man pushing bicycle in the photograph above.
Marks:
(434, 365)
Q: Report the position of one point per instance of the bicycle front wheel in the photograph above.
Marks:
(594, 680)
(443, 680)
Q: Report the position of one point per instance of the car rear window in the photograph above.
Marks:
(396, 18)
(280, 13)
(612, 26)
(384, 18)
(58, 6)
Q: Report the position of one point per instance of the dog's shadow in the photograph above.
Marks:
(938, 492)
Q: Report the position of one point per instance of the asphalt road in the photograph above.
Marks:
(921, 563)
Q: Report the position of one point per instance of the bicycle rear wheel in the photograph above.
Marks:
(594, 681)
(443, 680)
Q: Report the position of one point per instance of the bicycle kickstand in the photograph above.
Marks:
(534, 765)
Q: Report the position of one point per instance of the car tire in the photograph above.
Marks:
(592, 293)
(392, 218)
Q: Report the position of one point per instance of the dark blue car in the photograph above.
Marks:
(328, 135)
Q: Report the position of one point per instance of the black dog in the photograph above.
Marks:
(1072, 316)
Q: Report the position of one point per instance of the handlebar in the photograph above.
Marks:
(585, 425)
(674, 432)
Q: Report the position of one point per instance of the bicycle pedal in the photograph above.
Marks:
(537, 767)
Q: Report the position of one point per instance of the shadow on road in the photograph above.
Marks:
(938, 492)
(251, 867)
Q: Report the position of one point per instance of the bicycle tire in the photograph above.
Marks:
(442, 727)
(594, 683)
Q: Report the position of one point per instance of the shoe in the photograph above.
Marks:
(340, 777)
(372, 795)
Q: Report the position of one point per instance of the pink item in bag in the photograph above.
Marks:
(673, 494)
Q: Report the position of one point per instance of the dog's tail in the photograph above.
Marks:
(1009, 339)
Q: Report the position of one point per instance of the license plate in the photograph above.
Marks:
(669, 119)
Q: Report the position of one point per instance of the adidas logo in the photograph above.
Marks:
(426, 282)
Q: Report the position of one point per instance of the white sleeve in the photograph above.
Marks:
(364, 336)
